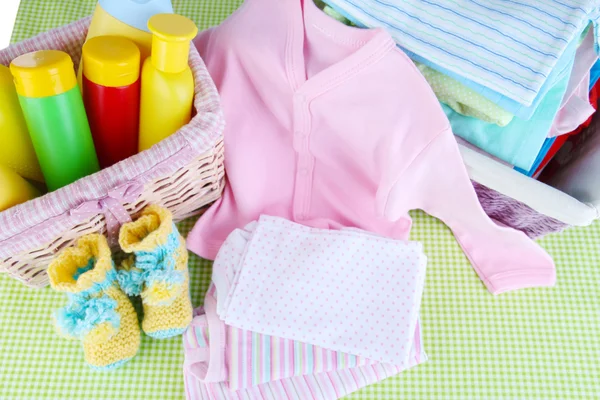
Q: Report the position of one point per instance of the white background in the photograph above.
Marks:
(8, 12)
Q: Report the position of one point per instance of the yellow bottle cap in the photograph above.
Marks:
(43, 73)
(111, 61)
(171, 36)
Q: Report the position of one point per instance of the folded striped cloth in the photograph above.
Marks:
(508, 46)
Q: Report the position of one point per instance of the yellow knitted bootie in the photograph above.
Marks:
(158, 271)
(98, 312)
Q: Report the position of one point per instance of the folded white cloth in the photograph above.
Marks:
(344, 290)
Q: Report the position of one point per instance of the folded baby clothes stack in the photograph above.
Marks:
(508, 47)
(511, 75)
(293, 304)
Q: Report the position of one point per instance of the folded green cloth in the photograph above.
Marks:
(464, 100)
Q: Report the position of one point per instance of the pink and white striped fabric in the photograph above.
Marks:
(37, 222)
(225, 361)
(248, 362)
(326, 386)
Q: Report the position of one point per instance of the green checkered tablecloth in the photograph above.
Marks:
(532, 344)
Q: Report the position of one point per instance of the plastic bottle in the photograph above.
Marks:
(127, 18)
(55, 115)
(167, 80)
(16, 150)
(111, 94)
(15, 190)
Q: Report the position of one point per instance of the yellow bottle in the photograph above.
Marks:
(167, 81)
(16, 149)
(14, 189)
(127, 18)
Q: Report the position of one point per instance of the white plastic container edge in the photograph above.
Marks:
(537, 195)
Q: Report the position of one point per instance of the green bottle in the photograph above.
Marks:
(55, 115)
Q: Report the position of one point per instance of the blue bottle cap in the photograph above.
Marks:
(136, 13)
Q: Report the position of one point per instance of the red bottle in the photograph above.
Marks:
(111, 94)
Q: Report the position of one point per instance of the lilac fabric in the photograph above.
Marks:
(510, 212)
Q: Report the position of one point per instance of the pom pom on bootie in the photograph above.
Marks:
(157, 271)
(98, 313)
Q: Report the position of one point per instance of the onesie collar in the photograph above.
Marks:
(372, 45)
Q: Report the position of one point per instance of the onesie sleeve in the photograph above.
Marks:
(437, 182)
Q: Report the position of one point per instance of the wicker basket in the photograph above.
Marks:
(184, 173)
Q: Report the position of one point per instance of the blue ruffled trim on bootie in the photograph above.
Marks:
(84, 311)
(110, 367)
(166, 333)
(156, 266)
(78, 318)
(132, 281)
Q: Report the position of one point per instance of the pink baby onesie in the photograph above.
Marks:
(333, 126)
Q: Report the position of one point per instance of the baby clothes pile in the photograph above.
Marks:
(292, 306)
(513, 76)
(333, 135)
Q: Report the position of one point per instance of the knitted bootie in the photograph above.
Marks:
(98, 312)
(158, 271)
